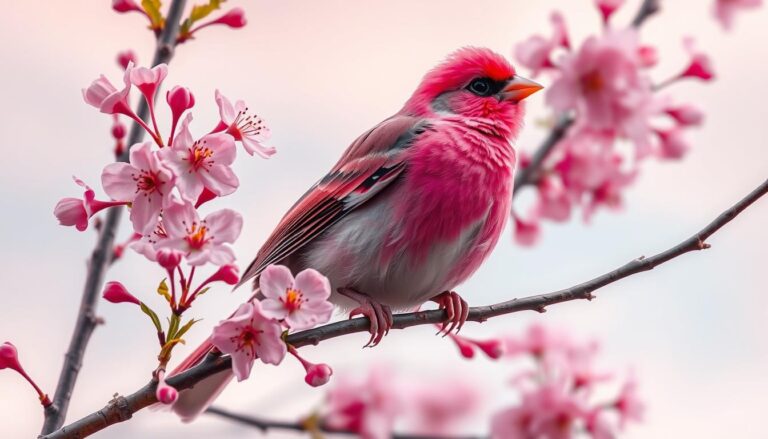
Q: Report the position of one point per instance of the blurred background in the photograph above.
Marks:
(320, 73)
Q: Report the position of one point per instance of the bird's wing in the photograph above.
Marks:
(373, 161)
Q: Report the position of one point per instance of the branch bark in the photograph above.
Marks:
(121, 408)
(102, 253)
(266, 424)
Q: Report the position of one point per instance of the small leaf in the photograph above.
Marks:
(198, 13)
(155, 320)
(162, 290)
(173, 325)
(186, 327)
(152, 8)
(203, 291)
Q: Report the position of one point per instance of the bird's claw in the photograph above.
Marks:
(456, 308)
(379, 315)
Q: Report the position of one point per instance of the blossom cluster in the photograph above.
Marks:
(556, 395)
(602, 91)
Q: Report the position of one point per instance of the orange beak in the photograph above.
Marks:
(519, 88)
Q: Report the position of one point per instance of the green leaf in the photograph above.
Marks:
(155, 320)
(173, 325)
(162, 290)
(203, 291)
(198, 13)
(186, 327)
(152, 8)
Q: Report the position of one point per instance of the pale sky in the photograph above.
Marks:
(320, 73)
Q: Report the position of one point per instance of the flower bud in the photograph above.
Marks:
(234, 18)
(226, 273)
(118, 130)
(126, 56)
(318, 374)
(179, 99)
(493, 348)
(9, 357)
(168, 259)
(115, 292)
(164, 393)
(123, 6)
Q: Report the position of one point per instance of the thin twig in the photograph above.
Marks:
(647, 8)
(212, 364)
(102, 253)
(267, 424)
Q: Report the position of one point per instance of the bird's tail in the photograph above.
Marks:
(194, 401)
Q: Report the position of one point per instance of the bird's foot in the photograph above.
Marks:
(456, 308)
(379, 315)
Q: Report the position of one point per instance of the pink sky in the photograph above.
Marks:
(320, 73)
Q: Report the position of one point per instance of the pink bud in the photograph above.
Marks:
(179, 99)
(234, 18)
(9, 357)
(493, 348)
(71, 212)
(700, 66)
(318, 374)
(205, 196)
(465, 348)
(226, 273)
(126, 56)
(608, 7)
(115, 292)
(123, 6)
(148, 80)
(649, 57)
(168, 258)
(164, 393)
(118, 130)
(526, 231)
(686, 115)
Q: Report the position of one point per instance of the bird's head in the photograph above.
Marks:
(473, 82)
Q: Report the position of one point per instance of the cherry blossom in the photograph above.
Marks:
(725, 10)
(148, 81)
(107, 98)
(554, 201)
(438, 408)
(700, 65)
(367, 407)
(180, 99)
(245, 128)
(144, 182)
(200, 164)
(672, 144)
(628, 404)
(201, 241)
(686, 115)
(77, 211)
(535, 53)
(528, 230)
(248, 335)
(608, 7)
(603, 84)
(301, 302)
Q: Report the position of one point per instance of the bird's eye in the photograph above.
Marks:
(481, 87)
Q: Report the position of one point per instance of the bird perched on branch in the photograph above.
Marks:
(413, 206)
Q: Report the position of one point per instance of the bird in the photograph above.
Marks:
(410, 210)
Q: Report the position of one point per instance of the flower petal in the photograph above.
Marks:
(275, 280)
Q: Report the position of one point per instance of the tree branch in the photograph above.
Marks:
(266, 424)
(121, 408)
(647, 8)
(102, 253)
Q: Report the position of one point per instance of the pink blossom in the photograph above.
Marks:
(608, 7)
(116, 292)
(493, 348)
(204, 163)
(725, 10)
(672, 143)
(144, 182)
(437, 409)
(180, 99)
(628, 403)
(527, 231)
(147, 244)
(245, 128)
(149, 80)
(235, 18)
(76, 212)
(686, 115)
(603, 84)
(201, 241)
(125, 57)
(248, 335)
(302, 302)
(597, 426)
(466, 349)
(164, 393)
(108, 99)
(700, 65)
(368, 408)
(538, 341)
(549, 411)
(535, 52)
(554, 202)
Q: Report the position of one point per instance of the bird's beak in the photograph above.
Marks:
(519, 88)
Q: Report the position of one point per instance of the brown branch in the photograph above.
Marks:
(647, 8)
(267, 424)
(121, 408)
(102, 254)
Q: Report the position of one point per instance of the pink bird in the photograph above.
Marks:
(411, 209)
